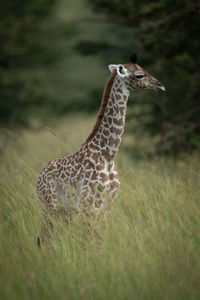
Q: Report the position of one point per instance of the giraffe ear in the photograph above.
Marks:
(112, 67)
(122, 71)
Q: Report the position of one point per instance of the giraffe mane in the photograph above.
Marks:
(103, 106)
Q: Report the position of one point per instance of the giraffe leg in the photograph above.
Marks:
(68, 196)
(48, 201)
(47, 225)
(52, 208)
(90, 214)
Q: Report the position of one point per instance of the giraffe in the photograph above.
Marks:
(87, 181)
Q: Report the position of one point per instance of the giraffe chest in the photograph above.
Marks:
(101, 187)
(99, 174)
(95, 183)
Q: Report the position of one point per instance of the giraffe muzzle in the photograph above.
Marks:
(160, 86)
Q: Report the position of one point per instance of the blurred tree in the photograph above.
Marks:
(25, 41)
(166, 35)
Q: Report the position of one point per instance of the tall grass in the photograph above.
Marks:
(150, 248)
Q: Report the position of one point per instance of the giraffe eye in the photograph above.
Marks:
(139, 76)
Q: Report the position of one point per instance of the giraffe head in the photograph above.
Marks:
(135, 77)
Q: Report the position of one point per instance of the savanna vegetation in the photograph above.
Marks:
(150, 248)
(53, 67)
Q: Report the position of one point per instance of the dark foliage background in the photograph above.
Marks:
(24, 47)
(53, 56)
(166, 34)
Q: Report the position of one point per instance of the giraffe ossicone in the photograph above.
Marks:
(87, 180)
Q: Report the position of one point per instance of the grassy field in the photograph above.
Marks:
(150, 248)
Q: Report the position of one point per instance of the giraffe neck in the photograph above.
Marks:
(107, 132)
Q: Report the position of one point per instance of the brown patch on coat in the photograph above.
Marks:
(118, 122)
(100, 166)
(104, 177)
(118, 97)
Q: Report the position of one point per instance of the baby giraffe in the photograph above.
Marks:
(87, 181)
